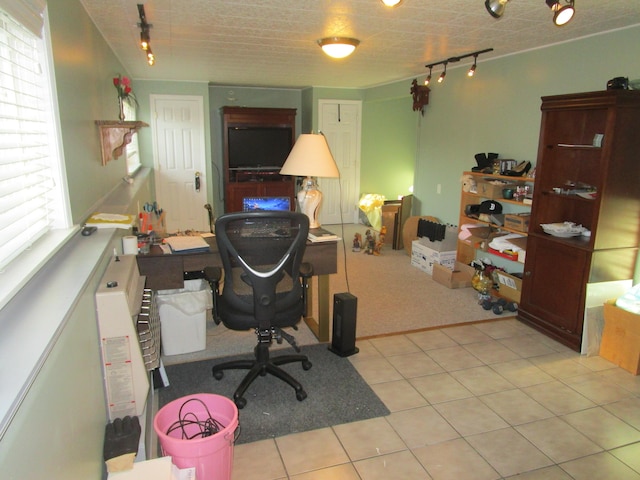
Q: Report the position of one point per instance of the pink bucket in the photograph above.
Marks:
(211, 455)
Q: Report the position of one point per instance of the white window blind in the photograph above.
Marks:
(31, 182)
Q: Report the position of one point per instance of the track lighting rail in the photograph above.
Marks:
(458, 58)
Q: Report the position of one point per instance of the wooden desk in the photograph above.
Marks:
(168, 271)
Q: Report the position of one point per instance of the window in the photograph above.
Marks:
(132, 152)
(33, 197)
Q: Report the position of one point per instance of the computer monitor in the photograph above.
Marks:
(257, 204)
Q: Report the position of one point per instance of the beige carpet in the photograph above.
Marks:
(392, 297)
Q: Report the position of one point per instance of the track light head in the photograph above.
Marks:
(495, 7)
(427, 80)
(563, 11)
(472, 70)
(144, 40)
(443, 74)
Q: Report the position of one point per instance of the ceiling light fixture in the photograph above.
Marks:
(391, 3)
(427, 80)
(562, 14)
(443, 74)
(145, 38)
(496, 7)
(338, 47)
(471, 71)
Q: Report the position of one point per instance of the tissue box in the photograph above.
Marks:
(620, 342)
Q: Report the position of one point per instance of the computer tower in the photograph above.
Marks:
(345, 308)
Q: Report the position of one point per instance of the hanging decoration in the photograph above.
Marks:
(420, 95)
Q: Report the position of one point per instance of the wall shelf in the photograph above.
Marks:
(115, 136)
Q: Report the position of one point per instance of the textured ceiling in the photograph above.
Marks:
(273, 42)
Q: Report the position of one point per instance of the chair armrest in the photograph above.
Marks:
(213, 275)
(306, 270)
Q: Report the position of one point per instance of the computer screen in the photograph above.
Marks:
(257, 204)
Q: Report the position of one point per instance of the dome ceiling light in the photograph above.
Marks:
(338, 47)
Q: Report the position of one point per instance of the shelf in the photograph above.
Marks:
(115, 136)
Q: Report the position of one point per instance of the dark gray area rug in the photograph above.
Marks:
(336, 392)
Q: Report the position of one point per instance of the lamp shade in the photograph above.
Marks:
(310, 157)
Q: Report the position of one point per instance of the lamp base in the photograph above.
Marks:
(310, 199)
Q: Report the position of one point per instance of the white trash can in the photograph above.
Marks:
(183, 317)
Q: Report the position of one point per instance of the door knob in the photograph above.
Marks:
(197, 182)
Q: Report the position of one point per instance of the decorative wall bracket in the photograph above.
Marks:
(115, 136)
(420, 94)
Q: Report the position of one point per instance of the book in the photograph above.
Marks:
(332, 238)
(187, 243)
(321, 233)
(110, 220)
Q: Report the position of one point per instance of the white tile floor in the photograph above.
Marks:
(486, 401)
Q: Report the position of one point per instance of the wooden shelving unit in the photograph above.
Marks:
(585, 139)
(466, 251)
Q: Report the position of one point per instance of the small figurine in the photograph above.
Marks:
(370, 242)
(357, 242)
(380, 243)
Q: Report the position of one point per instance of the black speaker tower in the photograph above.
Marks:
(345, 307)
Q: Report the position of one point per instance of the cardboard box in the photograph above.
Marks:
(458, 275)
(424, 258)
(517, 221)
(494, 189)
(510, 286)
(620, 342)
(481, 236)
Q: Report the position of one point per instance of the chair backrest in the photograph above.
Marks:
(261, 254)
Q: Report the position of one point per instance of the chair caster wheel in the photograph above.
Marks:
(240, 402)
(301, 395)
(218, 375)
(306, 366)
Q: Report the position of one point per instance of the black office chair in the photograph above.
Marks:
(264, 288)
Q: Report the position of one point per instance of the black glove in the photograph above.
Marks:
(121, 438)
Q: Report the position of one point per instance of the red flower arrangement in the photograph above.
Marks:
(123, 86)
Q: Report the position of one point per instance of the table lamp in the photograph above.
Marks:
(310, 157)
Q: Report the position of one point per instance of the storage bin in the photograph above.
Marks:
(180, 425)
(183, 317)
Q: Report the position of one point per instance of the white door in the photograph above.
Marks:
(177, 124)
(340, 122)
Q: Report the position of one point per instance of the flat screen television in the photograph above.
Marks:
(258, 147)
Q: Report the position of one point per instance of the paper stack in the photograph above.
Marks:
(111, 220)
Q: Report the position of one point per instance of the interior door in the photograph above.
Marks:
(177, 124)
(340, 122)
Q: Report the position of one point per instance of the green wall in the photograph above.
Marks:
(498, 110)
(84, 71)
(388, 147)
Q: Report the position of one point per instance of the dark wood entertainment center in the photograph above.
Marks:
(256, 180)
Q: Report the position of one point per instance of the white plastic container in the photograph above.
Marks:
(183, 317)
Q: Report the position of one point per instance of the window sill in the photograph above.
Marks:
(19, 271)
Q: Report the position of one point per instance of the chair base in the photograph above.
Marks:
(261, 366)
